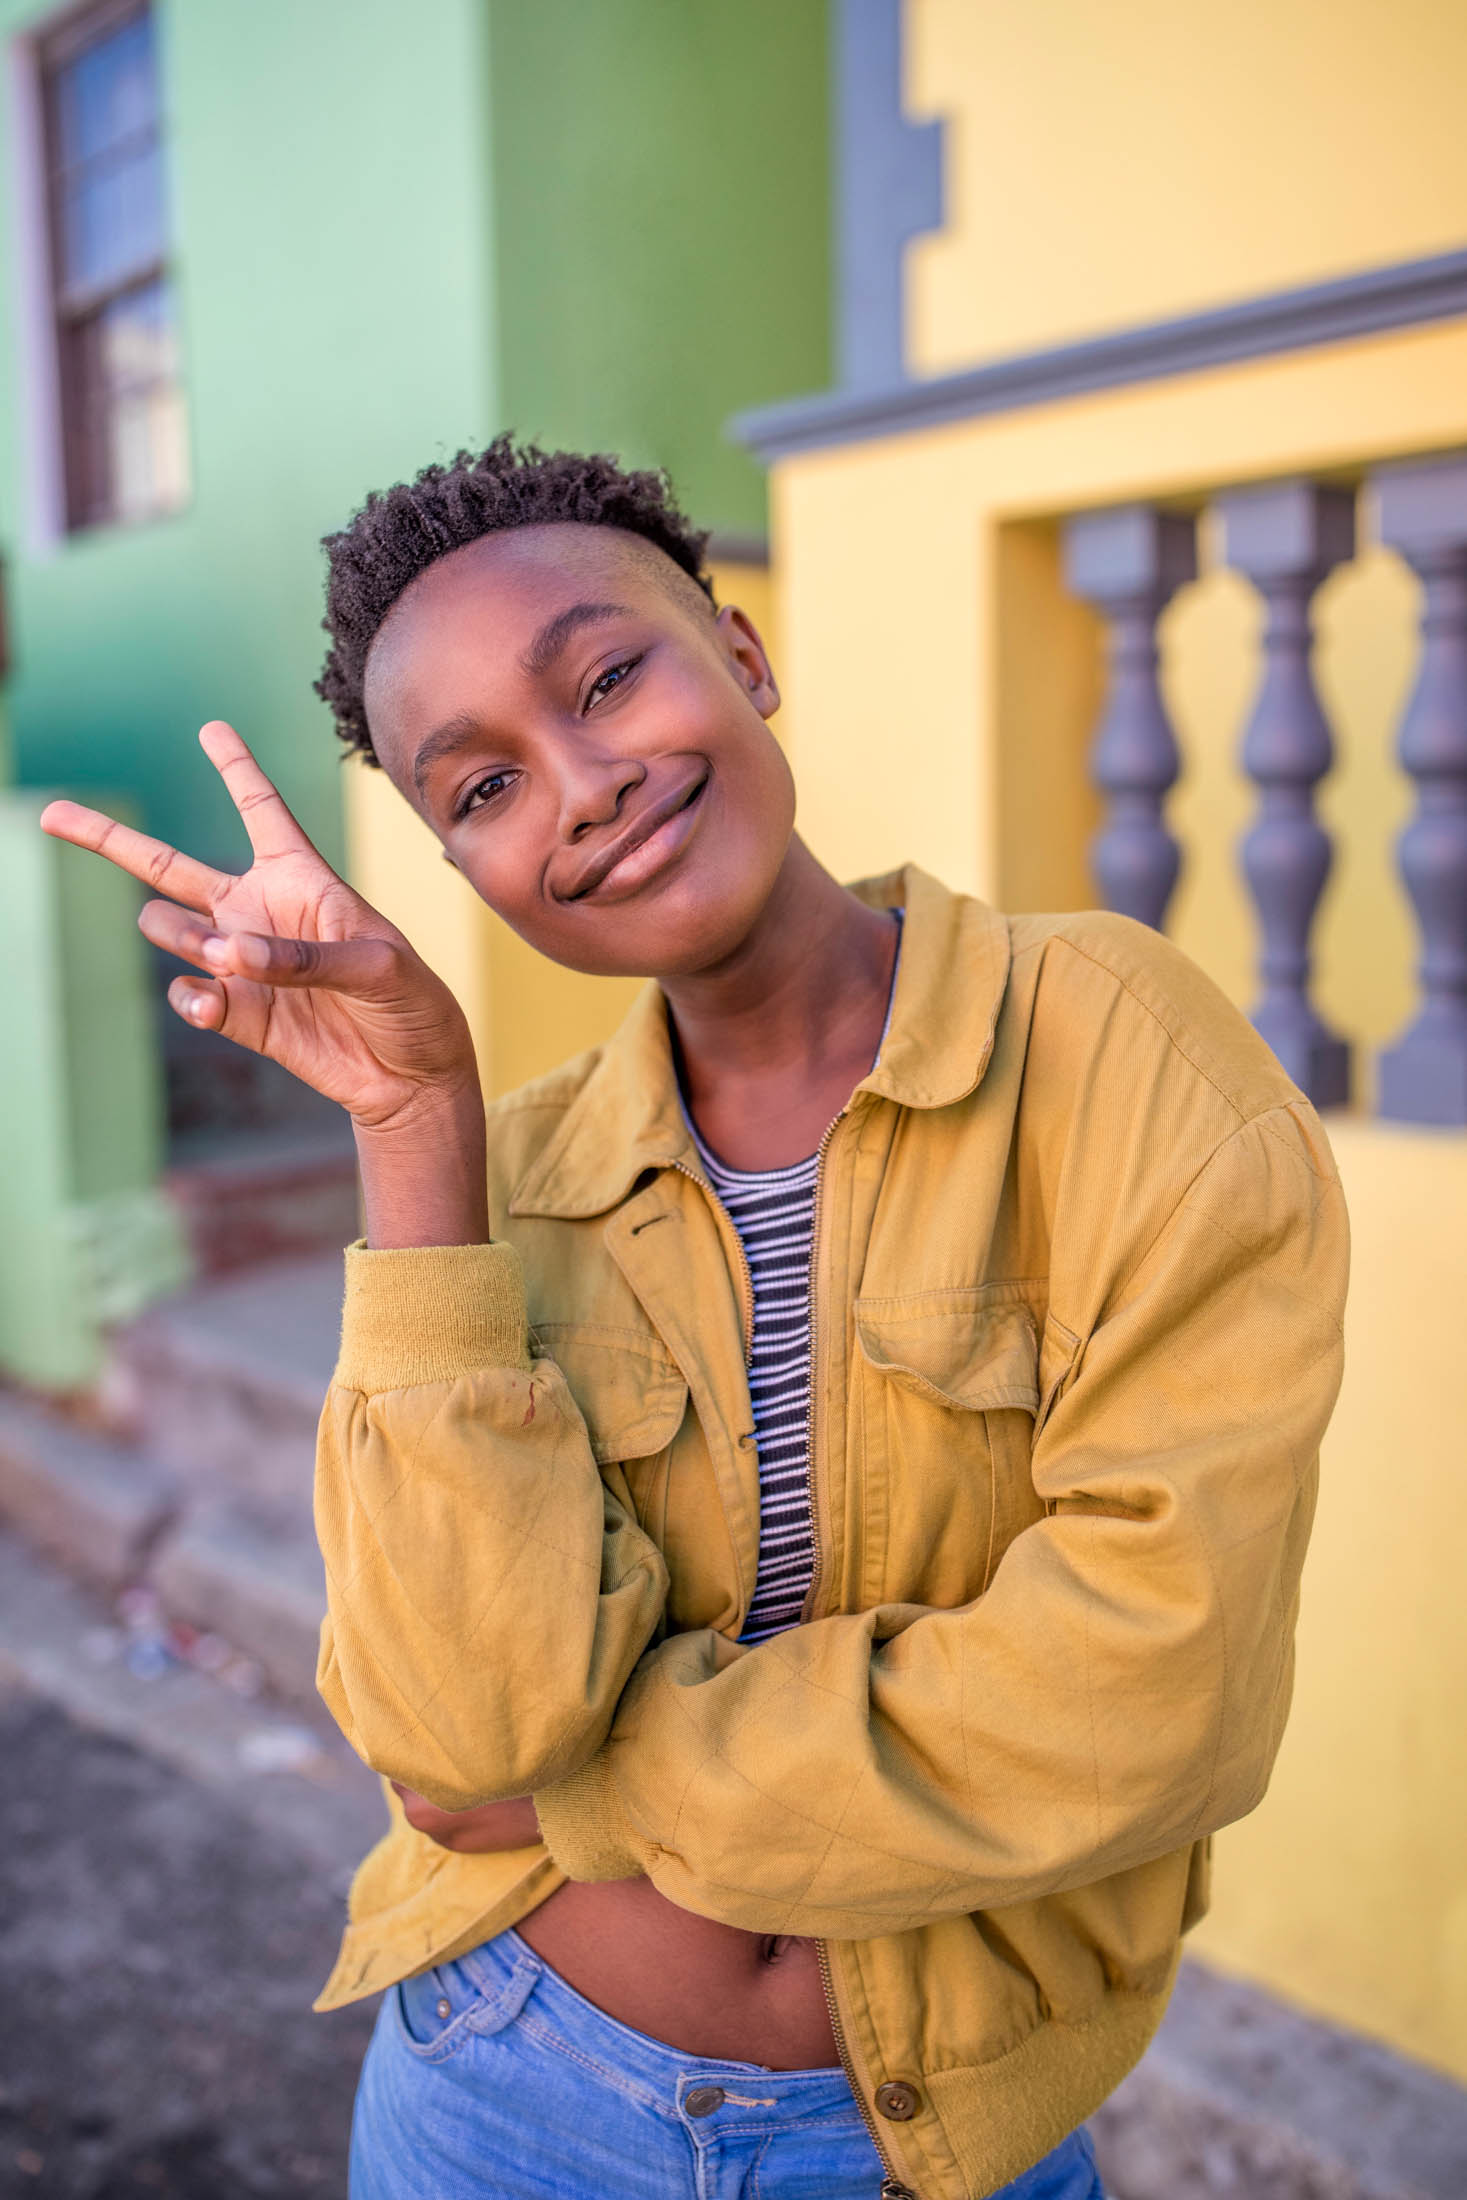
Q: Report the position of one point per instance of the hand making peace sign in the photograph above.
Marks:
(297, 966)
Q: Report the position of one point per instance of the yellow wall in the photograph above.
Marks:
(526, 1014)
(1121, 163)
(1347, 1890)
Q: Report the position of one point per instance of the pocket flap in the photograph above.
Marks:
(968, 1349)
(631, 1392)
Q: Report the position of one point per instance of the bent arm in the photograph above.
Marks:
(1120, 1688)
(488, 1590)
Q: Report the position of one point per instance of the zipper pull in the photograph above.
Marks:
(891, 2190)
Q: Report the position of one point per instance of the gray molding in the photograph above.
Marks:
(1399, 296)
(887, 188)
(725, 548)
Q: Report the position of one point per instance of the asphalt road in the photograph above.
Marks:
(158, 1955)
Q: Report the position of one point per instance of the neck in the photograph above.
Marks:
(772, 1041)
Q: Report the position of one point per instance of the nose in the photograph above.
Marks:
(593, 786)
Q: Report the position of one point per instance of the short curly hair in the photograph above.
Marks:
(400, 532)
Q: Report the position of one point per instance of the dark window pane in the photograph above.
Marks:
(107, 94)
(121, 400)
(112, 218)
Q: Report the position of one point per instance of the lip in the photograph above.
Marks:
(652, 839)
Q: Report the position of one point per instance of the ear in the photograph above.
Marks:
(748, 659)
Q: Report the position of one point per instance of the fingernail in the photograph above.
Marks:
(215, 948)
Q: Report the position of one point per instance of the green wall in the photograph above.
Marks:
(330, 206)
(662, 227)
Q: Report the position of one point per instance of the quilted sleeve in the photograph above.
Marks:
(488, 1589)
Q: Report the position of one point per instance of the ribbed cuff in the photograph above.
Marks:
(584, 1827)
(428, 1314)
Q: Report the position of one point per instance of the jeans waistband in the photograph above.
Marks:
(507, 1967)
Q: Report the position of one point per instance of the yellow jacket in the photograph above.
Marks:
(1080, 1259)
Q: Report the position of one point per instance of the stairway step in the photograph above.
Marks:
(224, 1384)
(265, 1196)
(258, 1584)
(96, 1505)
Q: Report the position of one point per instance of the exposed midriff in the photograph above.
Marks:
(708, 1989)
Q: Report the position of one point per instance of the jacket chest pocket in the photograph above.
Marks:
(952, 1384)
(633, 1400)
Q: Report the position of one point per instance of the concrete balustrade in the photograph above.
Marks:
(1129, 563)
(1423, 516)
(1285, 539)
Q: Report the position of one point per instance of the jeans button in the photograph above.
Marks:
(443, 2008)
(703, 2100)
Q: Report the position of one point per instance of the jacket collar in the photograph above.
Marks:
(627, 1117)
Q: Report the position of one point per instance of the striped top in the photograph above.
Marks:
(773, 1211)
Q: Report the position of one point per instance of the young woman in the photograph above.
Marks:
(813, 1501)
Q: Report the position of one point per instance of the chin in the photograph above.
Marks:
(670, 941)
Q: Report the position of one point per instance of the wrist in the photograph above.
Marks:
(423, 1171)
(425, 1111)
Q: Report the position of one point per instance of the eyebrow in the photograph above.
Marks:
(456, 733)
(556, 632)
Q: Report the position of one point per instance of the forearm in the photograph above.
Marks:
(423, 1179)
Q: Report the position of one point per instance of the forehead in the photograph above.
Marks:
(488, 600)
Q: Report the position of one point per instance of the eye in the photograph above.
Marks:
(483, 792)
(613, 677)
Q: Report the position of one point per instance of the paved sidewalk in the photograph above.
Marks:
(157, 1958)
(173, 1862)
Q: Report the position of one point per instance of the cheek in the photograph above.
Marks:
(759, 812)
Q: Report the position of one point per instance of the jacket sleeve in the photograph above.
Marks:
(488, 1589)
(1117, 1692)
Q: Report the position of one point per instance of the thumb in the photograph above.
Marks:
(372, 968)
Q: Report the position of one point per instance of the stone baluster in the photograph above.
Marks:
(1423, 515)
(1285, 538)
(1129, 562)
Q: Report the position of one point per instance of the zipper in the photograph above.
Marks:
(892, 2187)
(818, 1567)
(746, 1279)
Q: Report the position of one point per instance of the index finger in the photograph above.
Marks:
(182, 878)
(262, 807)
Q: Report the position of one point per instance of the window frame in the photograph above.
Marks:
(87, 494)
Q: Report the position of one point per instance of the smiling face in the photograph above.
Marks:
(588, 740)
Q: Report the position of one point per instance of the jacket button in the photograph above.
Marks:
(898, 2101)
(703, 2100)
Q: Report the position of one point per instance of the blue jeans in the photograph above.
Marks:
(492, 2077)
